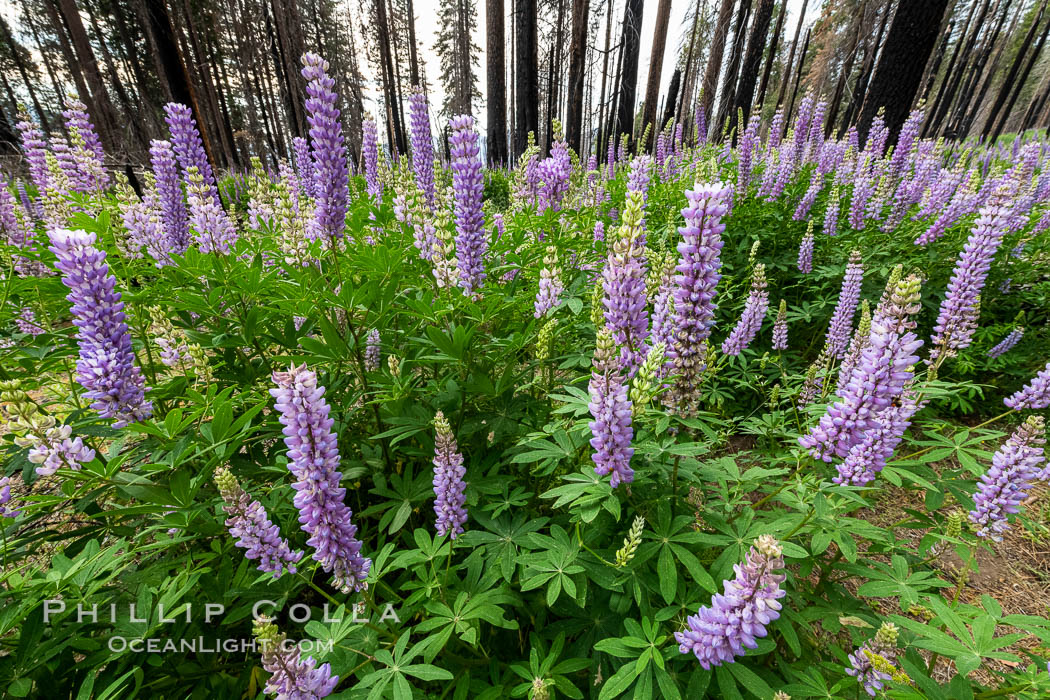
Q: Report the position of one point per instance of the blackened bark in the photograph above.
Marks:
(632, 29)
(496, 87)
(727, 102)
(16, 54)
(577, 64)
(1019, 83)
(909, 44)
(528, 98)
(774, 43)
(785, 77)
(1011, 74)
(656, 65)
(714, 58)
(672, 97)
(749, 69)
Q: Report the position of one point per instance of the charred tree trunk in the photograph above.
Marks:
(896, 80)
(601, 145)
(672, 97)
(714, 58)
(785, 78)
(861, 85)
(528, 98)
(774, 43)
(847, 69)
(1020, 81)
(798, 81)
(495, 83)
(953, 76)
(632, 30)
(1011, 75)
(16, 54)
(656, 65)
(745, 90)
(577, 64)
(727, 102)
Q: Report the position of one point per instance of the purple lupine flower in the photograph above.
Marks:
(449, 497)
(422, 145)
(746, 150)
(700, 119)
(831, 213)
(189, 148)
(751, 318)
(805, 252)
(962, 202)
(841, 326)
(623, 281)
(35, 149)
(868, 457)
(304, 166)
(55, 448)
(780, 328)
(611, 429)
(68, 166)
(957, 319)
(738, 616)
(89, 154)
(639, 177)
(106, 367)
(599, 230)
(1003, 346)
(551, 286)
(326, 146)
(816, 183)
(249, 522)
(8, 509)
(291, 677)
(169, 196)
(213, 229)
(471, 241)
(26, 322)
(372, 350)
(883, 644)
(698, 273)
(313, 458)
(370, 158)
(879, 377)
(1002, 488)
(1035, 395)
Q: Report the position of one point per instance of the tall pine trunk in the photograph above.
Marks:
(527, 97)
(909, 44)
(714, 58)
(656, 65)
(749, 69)
(632, 30)
(577, 64)
(495, 83)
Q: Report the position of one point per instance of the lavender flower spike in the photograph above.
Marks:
(883, 369)
(8, 509)
(780, 328)
(1003, 346)
(106, 367)
(841, 326)
(326, 146)
(370, 156)
(169, 194)
(551, 285)
(738, 617)
(805, 251)
(623, 281)
(611, 409)
(372, 350)
(449, 497)
(471, 241)
(1003, 487)
(883, 644)
(422, 145)
(751, 318)
(1036, 395)
(313, 458)
(188, 146)
(292, 678)
(249, 522)
(957, 319)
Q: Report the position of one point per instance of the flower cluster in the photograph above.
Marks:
(313, 458)
(751, 317)
(884, 645)
(422, 145)
(1006, 344)
(842, 319)
(372, 350)
(611, 429)
(1035, 395)
(471, 241)
(51, 446)
(623, 281)
(1002, 488)
(8, 509)
(189, 148)
(449, 487)
(551, 286)
(780, 328)
(106, 367)
(331, 177)
(738, 617)
(370, 155)
(249, 522)
(292, 677)
(169, 196)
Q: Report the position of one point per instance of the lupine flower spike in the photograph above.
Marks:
(751, 318)
(449, 487)
(738, 616)
(248, 522)
(1005, 484)
(292, 677)
(1035, 395)
(611, 409)
(313, 459)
